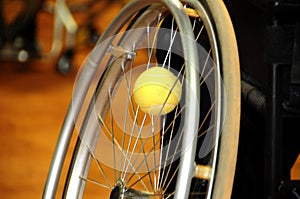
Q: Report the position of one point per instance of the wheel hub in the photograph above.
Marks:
(115, 193)
(118, 190)
(121, 192)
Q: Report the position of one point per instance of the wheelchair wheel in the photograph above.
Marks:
(190, 152)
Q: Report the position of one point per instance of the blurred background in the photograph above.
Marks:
(41, 50)
(34, 92)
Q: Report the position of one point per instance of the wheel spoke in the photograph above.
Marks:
(95, 182)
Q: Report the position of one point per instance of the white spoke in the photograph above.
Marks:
(112, 133)
(94, 182)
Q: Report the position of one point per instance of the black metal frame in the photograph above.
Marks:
(268, 34)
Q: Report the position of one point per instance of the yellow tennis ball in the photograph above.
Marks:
(157, 91)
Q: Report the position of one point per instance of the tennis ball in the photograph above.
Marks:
(157, 91)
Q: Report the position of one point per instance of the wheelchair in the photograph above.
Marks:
(123, 151)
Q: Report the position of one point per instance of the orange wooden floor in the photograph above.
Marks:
(34, 98)
(33, 101)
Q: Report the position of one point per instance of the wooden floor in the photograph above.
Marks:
(33, 102)
(34, 99)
